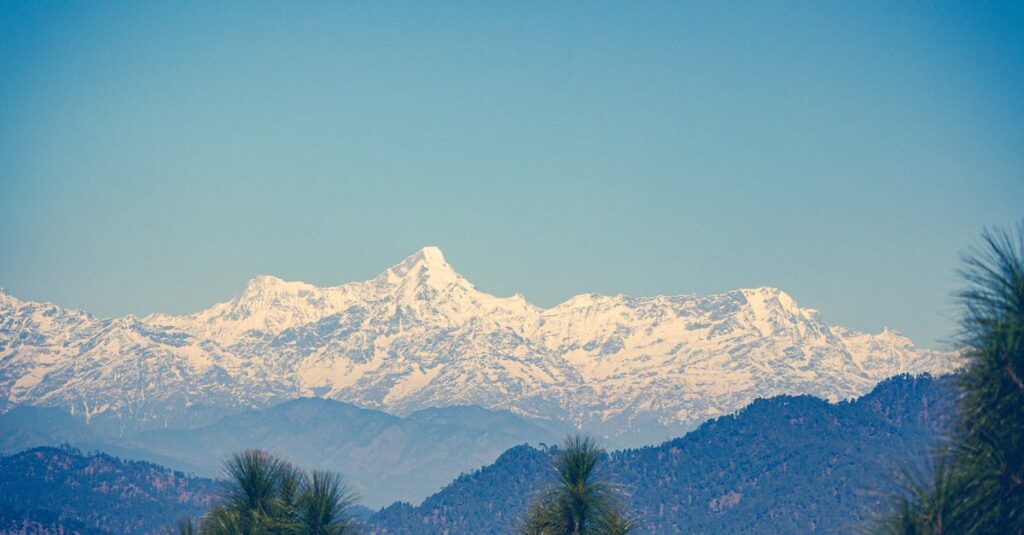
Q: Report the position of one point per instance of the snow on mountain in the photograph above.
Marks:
(420, 335)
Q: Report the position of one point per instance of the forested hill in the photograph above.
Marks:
(782, 465)
(59, 490)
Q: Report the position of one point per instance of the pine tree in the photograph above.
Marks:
(978, 483)
(578, 504)
(267, 495)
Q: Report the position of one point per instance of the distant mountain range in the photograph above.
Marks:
(633, 370)
(386, 458)
(782, 465)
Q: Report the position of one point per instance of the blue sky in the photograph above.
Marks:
(154, 156)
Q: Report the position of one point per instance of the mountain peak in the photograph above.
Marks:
(264, 281)
(431, 255)
(426, 266)
(269, 290)
(262, 284)
(766, 296)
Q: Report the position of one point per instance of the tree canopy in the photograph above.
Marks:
(267, 495)
(977, 485)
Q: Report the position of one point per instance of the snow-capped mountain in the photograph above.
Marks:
(420, 335)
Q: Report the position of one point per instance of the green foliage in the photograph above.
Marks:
(924, 507)
(186, 527)
(578, 504)
(978, 485)
(266, 495)
(322, 506)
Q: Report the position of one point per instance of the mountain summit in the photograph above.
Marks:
(428, 262)
(420, 335)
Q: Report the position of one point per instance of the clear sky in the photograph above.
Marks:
(156, 155)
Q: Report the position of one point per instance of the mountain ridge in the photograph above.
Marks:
(786, 464)
(384, 457)
(420, 335)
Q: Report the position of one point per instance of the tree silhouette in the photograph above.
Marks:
(978, 483)
(578, 504)
(266, 495)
